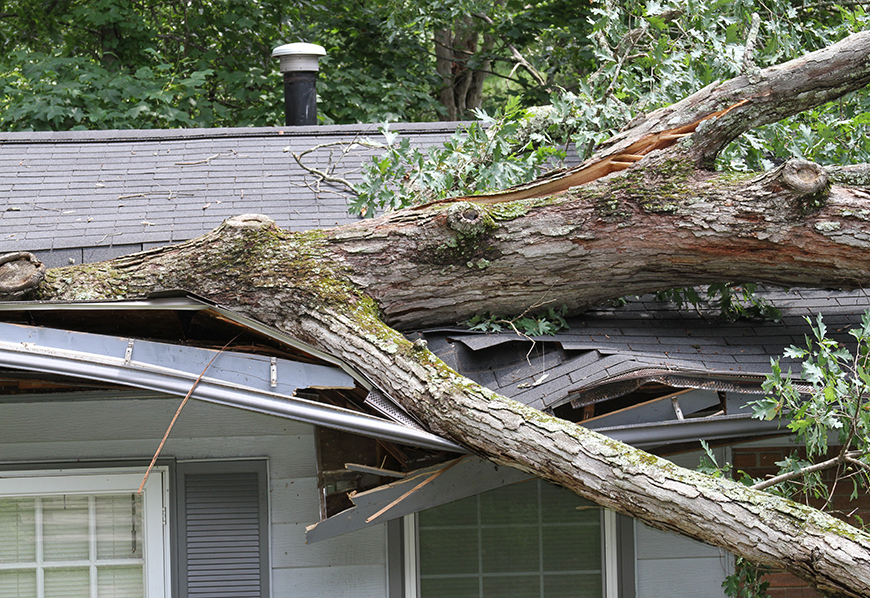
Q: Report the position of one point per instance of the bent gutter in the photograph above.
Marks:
(693, 429)
(49, 351)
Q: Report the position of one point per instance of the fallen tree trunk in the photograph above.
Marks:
(663, 222)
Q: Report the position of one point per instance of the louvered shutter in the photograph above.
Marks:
(222, 534)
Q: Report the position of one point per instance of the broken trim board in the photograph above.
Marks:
(446, 483)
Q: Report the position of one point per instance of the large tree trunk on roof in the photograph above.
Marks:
(664, 221)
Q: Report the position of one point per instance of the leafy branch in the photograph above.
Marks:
(734, 301)
(544, 323)
(836, 403)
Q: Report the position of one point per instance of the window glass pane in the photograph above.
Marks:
(562, 506)
(572, 548)
(65, 528)
(513, 504)
(460, 512)
(59, 543)
(17, 530)
(572, 586)
(67, 583)
(448, 551)
(450, 587)
(17, 584)
(515, 586)
(535, 540)
(120, 582)
(119, 526)
(510, 549)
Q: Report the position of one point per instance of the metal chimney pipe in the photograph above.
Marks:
(299, 63)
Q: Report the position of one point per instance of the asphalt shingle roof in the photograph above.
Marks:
(94, 195)
(644, 336)
(88, 196)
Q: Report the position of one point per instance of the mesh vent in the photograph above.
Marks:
(380, 403)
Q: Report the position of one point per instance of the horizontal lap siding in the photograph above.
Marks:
(672, 566)
(67, 431)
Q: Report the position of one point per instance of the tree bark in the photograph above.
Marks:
(662, 222)
(461, 84)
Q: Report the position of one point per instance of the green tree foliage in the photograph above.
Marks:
(835, 405)
(70, 64)
(644, 56)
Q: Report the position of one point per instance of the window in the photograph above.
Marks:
(528, 540)
(82, 534)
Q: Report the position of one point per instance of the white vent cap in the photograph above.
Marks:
(299, 57)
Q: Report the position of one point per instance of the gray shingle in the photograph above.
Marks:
(89, 173)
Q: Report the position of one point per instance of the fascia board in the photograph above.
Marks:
(106, 359)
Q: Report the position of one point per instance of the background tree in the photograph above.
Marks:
(115, 64)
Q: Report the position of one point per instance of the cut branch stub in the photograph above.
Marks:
(806, 182)
(804, 178)
(467, 219)
(20, 272)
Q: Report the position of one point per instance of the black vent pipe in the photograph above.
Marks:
(299, 63)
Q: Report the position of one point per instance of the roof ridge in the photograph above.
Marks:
(127, 135)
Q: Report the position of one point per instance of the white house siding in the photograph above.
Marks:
(104, 430)
(672, 566)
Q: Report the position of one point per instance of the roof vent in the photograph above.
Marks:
(299, 63)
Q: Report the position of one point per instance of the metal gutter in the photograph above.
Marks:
(110, 359)
(185, 302)
(688, 430)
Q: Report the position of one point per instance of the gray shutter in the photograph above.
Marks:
(222, 534)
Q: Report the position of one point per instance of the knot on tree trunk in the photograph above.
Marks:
(249, 221)
(795, 189)
(806, 182)
(804, 178)
(468, 219)
(20, 272)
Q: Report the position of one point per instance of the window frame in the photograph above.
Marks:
(93, 481)
(616, 571)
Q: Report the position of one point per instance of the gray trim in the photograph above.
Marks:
(58, 352)
(396, 558)
(626, 562)
(467, 477)
(190, 302)
(690, 430)
(218, 469)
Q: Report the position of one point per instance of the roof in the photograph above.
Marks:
(87, 196)
(611, 351)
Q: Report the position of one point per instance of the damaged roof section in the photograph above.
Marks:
(615, 357)
(223, 358)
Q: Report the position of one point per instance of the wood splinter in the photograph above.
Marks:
(586, 173)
